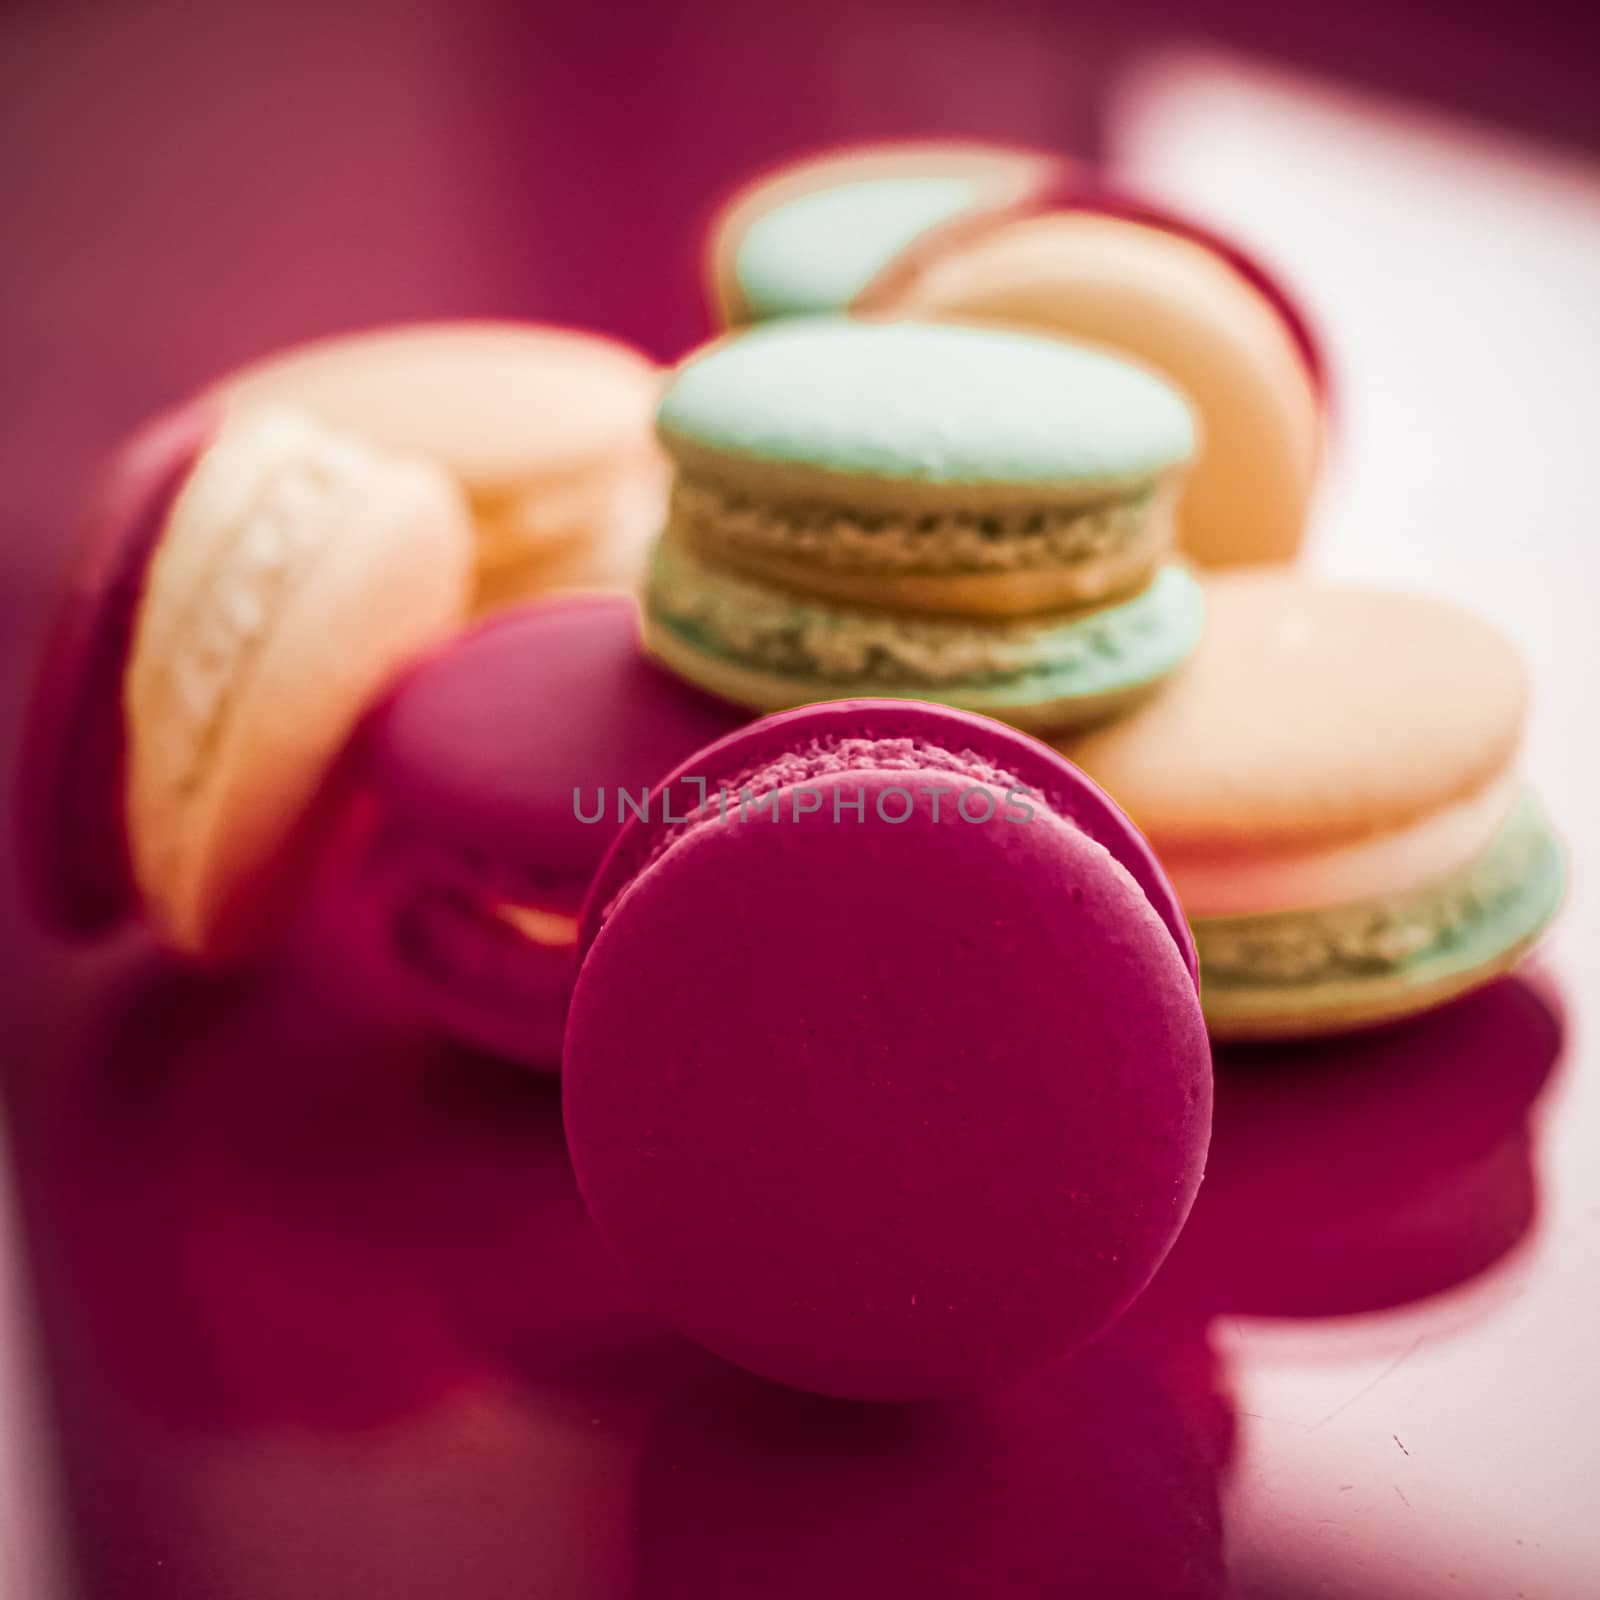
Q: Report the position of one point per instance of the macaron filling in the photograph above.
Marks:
(1514, 881)
(739, 619)
(1436, 846)
(493, 955)
(733, 521)
(485, 979)
(551, 929)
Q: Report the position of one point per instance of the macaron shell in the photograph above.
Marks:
(497, 766)
(501, 405)
(850, 1113)
(998, 175)
(598, 538)
(1172, 302)
(1486, 948)
(817, 253)
(1063, 671)
(484, 748)
(213, 841)
(1091, 192)
(467, 973)
(1066, 789)
(920, 412)
(1313, 714)
(74, 859)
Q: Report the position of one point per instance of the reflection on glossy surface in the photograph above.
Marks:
(1094, 1478)
(1368, 1172)
(325, 1289)
(287, 1208)
(329, 1317)
(318, 1327)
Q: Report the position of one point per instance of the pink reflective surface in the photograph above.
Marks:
(319, 1307)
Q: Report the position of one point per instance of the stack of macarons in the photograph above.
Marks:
(1329, 778)
(960, 468)
(971, 405)
(1016, 238)
(966, 515)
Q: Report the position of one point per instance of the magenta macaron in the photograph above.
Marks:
(499, 767)
(74, 858)
(885, 1073)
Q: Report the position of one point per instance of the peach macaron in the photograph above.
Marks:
(547, 430)
(1116, 271)
(1332, 784)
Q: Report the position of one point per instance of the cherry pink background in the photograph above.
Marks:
(318, 1311)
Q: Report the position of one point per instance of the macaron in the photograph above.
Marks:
(502, 768)
(811, 235)
(966, 515)
(244, 588)
(1332, 785)
(1118, 272)
(547, 430)
(885, 1075)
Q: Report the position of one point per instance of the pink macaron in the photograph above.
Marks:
(499, 768)
(885, 1073)
(74, 856)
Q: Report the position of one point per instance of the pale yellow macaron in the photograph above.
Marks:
(1185, 304)
(547, 429)
(296, 572)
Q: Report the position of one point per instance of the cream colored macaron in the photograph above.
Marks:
(298, 569)
(547, 429)
(968, 515)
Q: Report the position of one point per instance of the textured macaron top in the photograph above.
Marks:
(879, 736)
(513, 742)
(495, 403)
(915, 405)
(889, 1102)
(1315, 714)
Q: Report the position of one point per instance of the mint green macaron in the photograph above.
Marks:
(928, 403)
(962, 514)
(819, 251)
